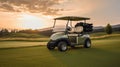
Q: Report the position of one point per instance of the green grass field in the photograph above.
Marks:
(105, 52)
(17, 44)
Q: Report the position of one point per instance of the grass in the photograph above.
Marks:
(25, 39)
(104, 52)
(17, 44)
(111, 36)
(101, 34)
(24, 35)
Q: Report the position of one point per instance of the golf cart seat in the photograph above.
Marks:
(78, 29)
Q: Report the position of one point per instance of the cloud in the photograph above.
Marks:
(6, 6)
(33, 6)
(78, 7)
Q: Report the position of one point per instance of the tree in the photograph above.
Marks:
(4, 32)
(14, 31)
(108, 29)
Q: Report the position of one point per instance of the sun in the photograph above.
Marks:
(28, 21)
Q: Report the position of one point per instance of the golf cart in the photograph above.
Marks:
(68, 35)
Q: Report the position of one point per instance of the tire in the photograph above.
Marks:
(50, 46)
(62, 46)
(87, 43)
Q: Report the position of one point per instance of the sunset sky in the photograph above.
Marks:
(35, 14)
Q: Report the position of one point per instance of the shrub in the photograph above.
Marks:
(108, 29)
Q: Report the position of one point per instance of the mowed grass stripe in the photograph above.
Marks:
(17, 44)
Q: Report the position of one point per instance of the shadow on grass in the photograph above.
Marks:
(87, 57)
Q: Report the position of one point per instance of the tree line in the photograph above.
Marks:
(5, 32)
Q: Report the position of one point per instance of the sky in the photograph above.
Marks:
(35, 14)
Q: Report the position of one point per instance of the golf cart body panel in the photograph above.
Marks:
(58, 35)
(70, 36)
(77, 38)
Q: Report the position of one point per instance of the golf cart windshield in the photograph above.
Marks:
(60, 26)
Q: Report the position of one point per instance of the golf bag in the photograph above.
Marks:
(86, 26)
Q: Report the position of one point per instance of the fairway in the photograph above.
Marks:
(104, 53)
(17, 44)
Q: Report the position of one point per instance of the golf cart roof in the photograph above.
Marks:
(72, 18)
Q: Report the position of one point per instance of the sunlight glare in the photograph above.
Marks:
(28, 21)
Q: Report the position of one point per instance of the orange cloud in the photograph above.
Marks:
(33, 6)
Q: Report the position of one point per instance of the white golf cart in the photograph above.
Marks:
(65, 34)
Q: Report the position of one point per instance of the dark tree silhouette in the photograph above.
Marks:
(4, 32)
(108, 29)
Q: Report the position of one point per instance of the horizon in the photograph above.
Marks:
(39, 14)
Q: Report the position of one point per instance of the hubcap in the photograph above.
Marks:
(88, 43)
(51, 46)
(63, 46)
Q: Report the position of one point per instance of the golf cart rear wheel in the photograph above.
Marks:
(62, 46)
(87, 43)
(50, 46)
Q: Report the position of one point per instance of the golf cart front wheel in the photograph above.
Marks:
(50, 46)
(62, 46)
(87, 43)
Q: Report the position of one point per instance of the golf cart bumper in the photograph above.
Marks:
(52, 42)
